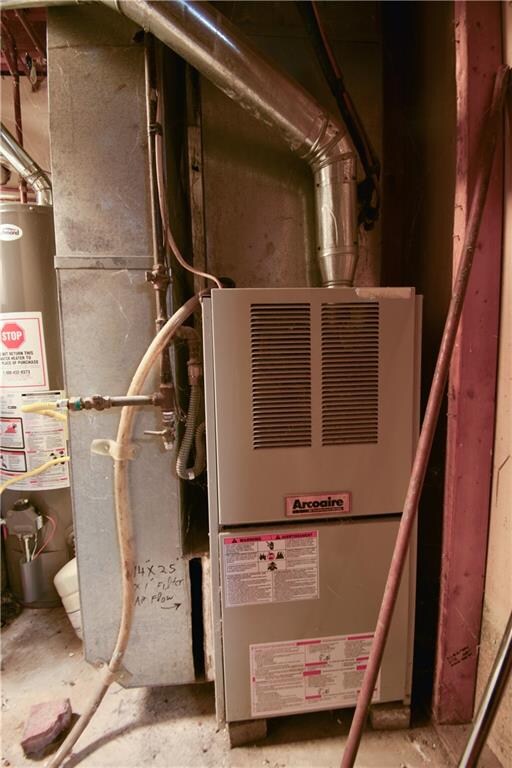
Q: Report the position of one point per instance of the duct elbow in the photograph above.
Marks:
(336, 220)
(40, 183)
(27, 168)
(333, 160)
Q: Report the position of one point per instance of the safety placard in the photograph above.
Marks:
(270, 568)
(29, 440)
(11, 432)
(304, 675)
(22, 352)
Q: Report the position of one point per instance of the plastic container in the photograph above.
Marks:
(66, 584)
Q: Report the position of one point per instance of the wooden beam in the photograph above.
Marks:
(472, 383)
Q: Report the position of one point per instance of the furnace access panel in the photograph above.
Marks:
(299, 609)
(315, 399)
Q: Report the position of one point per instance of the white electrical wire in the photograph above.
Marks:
(162, 200)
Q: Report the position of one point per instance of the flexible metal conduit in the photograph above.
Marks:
(210, 43)
(25, 166)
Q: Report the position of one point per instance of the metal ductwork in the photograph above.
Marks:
(27, 168)
(209, 42)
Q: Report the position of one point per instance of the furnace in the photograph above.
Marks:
(312, 416)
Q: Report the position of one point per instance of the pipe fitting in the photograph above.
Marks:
(195, 372)
(210, 43)
(27, 168)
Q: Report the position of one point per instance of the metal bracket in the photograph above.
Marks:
(116, 451)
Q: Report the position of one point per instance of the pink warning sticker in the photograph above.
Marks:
(283, 682)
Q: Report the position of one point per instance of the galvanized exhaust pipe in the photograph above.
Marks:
(209, 42)
(27, 168)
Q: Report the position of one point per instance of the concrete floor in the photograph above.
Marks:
(175, 727)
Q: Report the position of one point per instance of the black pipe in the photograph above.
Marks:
(369, 197)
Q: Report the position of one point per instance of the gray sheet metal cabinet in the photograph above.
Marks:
(312, 418)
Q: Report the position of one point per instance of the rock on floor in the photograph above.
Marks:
(45, 722)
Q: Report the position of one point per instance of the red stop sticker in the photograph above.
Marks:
(12, 335)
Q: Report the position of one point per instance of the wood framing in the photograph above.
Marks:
(472, 383)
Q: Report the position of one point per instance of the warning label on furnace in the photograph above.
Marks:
(304, 675)
(271, 568)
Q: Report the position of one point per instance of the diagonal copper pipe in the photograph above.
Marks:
(485, 160)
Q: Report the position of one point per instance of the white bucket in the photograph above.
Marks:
(66, 584)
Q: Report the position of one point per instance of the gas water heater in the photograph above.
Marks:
(312, 409)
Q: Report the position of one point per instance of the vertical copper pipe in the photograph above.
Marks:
(19, 128)
(485, 158)
(159, 275)
(11, 57)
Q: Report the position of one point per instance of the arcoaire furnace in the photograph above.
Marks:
(312, 399)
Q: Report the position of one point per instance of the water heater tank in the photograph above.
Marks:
(28, 285)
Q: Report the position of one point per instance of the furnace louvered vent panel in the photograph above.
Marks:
(281, 375)
(350, 373)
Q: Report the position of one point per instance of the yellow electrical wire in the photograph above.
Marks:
(33, 472)
(45, 409)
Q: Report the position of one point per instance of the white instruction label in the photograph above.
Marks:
(271, 568)
(28, 440)
(22, 352)
(304, 675)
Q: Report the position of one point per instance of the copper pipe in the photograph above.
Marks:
(11, 57)
(159, 276)
(19, 128)
(10, 194)
(208, 41)
(124, 528)
(485, 160)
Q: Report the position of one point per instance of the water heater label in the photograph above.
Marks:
(270, 568)
(28, 440)
(10, 232)
(304, 675)
(22, 352)
(318, 504)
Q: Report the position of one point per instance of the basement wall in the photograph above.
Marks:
(498, 580)
(259, 207)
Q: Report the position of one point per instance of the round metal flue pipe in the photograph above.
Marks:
(27, 168)
(209, 42)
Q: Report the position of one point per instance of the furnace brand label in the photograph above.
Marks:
(320, 504)
(22, 352)
(304, 675)
(271, 568)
